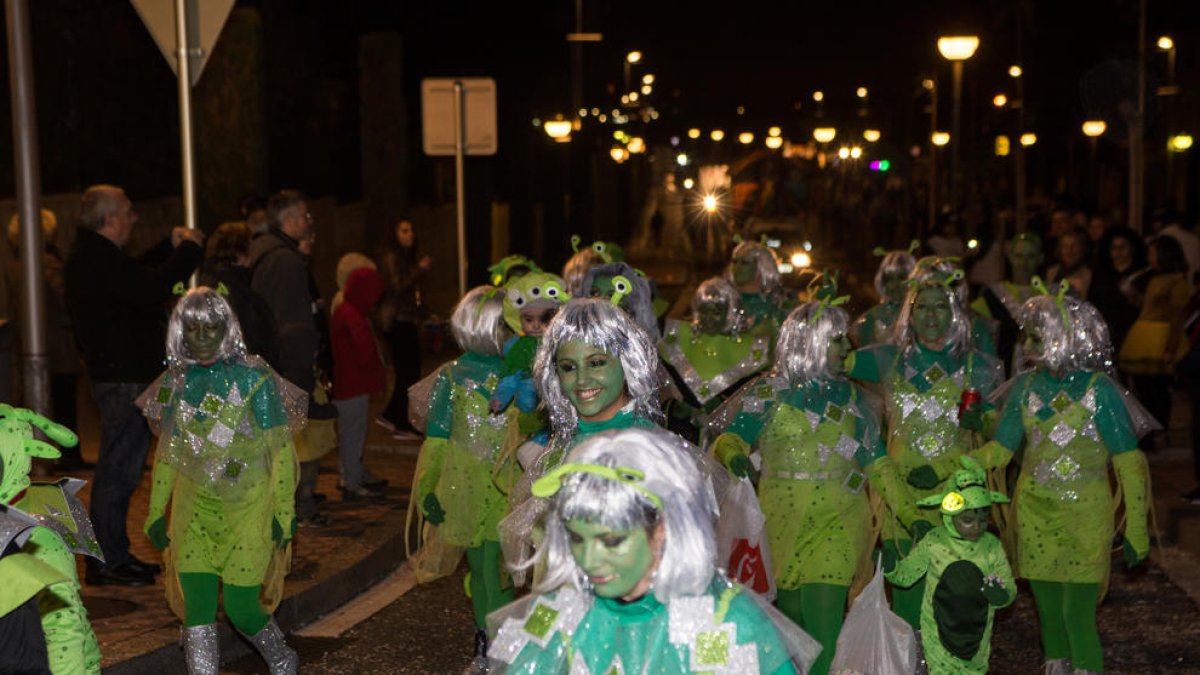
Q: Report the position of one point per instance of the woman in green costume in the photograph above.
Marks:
(630, 583)
(878, 323)
(930, 422)
(818, 440)
(966, 574)
(754, 272)
(1000, 302)
(1075, 421)
(226, 464)
(710, 356)
(455, 486)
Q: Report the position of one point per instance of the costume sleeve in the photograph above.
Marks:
(161, 484)
(1011, 429)
(441, 410)
(912, 567)
(885, 480)
(997, 565)
(728, 446)
(1134, 476)
(286, 479)
(429, 466)
(1112, 419)
(70, 642)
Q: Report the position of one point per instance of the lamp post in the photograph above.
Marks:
(1093, 129)
(956, 49)
(630, 59)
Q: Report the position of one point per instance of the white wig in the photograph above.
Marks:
(765, 260)
(670, 472)
(577, 268)
(603, 325)
(894, 261)
(942, 274)
(203, 305)
(802, 351)
(639, 302)
(718, 291)
(477, 323)
(1074, 335)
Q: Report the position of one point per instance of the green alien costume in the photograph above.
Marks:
(51, 526)
(965, 580)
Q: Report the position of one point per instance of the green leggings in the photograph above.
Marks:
(241, 603)
(487, 591)
(819, 610)
(1068, 615)
(906, 602)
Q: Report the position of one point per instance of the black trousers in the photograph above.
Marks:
(405, 344)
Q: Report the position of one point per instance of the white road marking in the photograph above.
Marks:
(364, 606)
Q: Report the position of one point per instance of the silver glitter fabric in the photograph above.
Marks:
(202, 649)
(547, 617)
(55, 507)
(15, 526)
(281, 659)
(704, 390)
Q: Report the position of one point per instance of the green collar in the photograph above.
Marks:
(635, 611)
(622, 420)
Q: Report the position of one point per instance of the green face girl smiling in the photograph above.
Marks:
(618, 563)
(592, 380)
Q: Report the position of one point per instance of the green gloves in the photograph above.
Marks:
(919, 529)
(277, 535)
(740, 466)
(157, 532)
(888, 559)
(924, 477)
(994, 592)
(1132, 557)
(433, 509)
(971, 419)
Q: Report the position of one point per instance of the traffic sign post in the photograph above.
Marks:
(458, 117)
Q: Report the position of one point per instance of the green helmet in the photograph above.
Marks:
(532, 291)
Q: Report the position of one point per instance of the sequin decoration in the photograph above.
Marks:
(1060, 402)
(1061, 434)
(220, 435)
(1066, 467)
(550, 615)
(931, 409)
(934, 374)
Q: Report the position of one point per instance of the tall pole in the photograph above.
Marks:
(933, 179)
(577, 62)
(184, 73)
(460, 197)
(956, 134)
(1136, 152)
(25, 160)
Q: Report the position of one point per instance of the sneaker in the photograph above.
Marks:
(1192, 496)
(361, 493)
(405, 435)
(385, 423)
(315, 521)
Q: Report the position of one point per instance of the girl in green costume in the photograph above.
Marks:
(754, 272)
(226, 464)
(966, 574)
(924, 375)
(819, 442)
(710, 356)
(630, 583)
(878, 323)
(453, 486)
(1075, 421)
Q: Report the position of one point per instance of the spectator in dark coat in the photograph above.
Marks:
(227, 261)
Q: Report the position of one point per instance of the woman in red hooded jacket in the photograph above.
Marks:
(358, 372)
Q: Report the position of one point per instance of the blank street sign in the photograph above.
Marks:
(437, 115)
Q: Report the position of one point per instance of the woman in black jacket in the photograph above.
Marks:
(400, 313)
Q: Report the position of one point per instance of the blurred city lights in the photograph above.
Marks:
(880, 165)
(1003, 145)
(583, 112)
(558, 129)
(958, 47)
(999, 100)
(1179, 142)
(745, 138)
(717, 135)
(824, 134)
(1094, 128)
(648, 78)
(633, 96)
(710, 203)
(940, 138)
(801, 259)
(774, 131)
(928, 84)
(646, 89)
(774, 142)
(861, 92)
(818, 96)
(633, 57)
(619, 154)
(1028, 139)
(855, 152)
(1014, 71)
(681, 159)
(871, 135)
(637, 145)
(973, 244)
(693, 133)
(688, 183)
(1165, 43)
(844, 152)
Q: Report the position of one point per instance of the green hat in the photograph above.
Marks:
(499, 273)
(539, 289)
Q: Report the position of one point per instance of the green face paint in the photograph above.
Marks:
(835, 355)
(1024, 258)
(602, 286)
(931, 315)
(711, 317)
(745, 270)
(616, 562)
(893, 286)
(592, 379)
(203, 340)
(971, 523)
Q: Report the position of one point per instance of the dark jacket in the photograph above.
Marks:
(402, 299)
(282, 279)
(357, 366)
(117, 304)
(253, 313)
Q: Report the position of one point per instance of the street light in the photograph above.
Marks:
(871, 135)
(1014, 71)
(1094, 128)
(818, 96)
(648, 78)
(630, 59)
(855, 152)
(844, 152)
(774, 142)
(861, 92)
(1166, 44)
(745, 138)
(693, 133)
(939, 138)
(999, 100)
(558, 129)
(1028, 139)
(824, 134)
(774, 131)
(717, 135)
(1179, 142)
(956, 49)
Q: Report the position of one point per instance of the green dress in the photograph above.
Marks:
(724, 631)
(1072, 426)
(816, 441)
(956, 618)
(923, 388)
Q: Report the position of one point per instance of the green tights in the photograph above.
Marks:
(1068, 615)
(241, 603)
(819, 610)
(906, 602)
(487, 591)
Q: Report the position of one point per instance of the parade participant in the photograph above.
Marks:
(1001, 302)
(935, 384)
(967, 576)
(51, 525)
(453, 486)
(710, 356)
(636, 294)
(511, 267)
(754, 271)
(878, 323)
(819, 441)
(1075, 421)
(583, 260)
(226, 464)
(530, 302)
(22, 639)
(630, 583)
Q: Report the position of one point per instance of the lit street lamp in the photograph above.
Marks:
(940, 138)
(957, 49)
(824, 134)
(1093, 129)
(630, 59)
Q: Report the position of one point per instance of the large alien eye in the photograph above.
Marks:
(536, 291)
(598, 247)
(515, 298)
(621, 285)
(552, 292)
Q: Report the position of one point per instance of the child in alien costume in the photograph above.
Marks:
(819, 441)
(226, 464)
(878, 323)
(511, 267)
(967, 577)
(455, 485)
(51, 525)
(576, 268)
(630, 583)
(1075, 421)
(633, 290)
(754, 272)
(930, 421)
(530, 301)
(710, 356)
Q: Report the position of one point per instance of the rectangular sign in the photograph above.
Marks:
(479, 115)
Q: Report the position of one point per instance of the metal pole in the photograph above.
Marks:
(933, 179)
(183, 61)
(25, 158)
(459, 189)
(956, 138)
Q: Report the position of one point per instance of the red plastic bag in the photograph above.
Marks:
(742, 540)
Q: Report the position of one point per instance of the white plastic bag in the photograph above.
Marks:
(874, 640)
(742, 540)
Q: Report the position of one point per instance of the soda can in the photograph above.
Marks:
(970, 397)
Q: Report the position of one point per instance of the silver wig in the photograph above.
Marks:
(671, 473)
(639, 303)
(899, 260)
(802, 351)
(764, 258)
(577, 268)
(1074, 335)
(936, 272)
(204, 305)
(718, 291)
(477, 322)
(603, 325)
